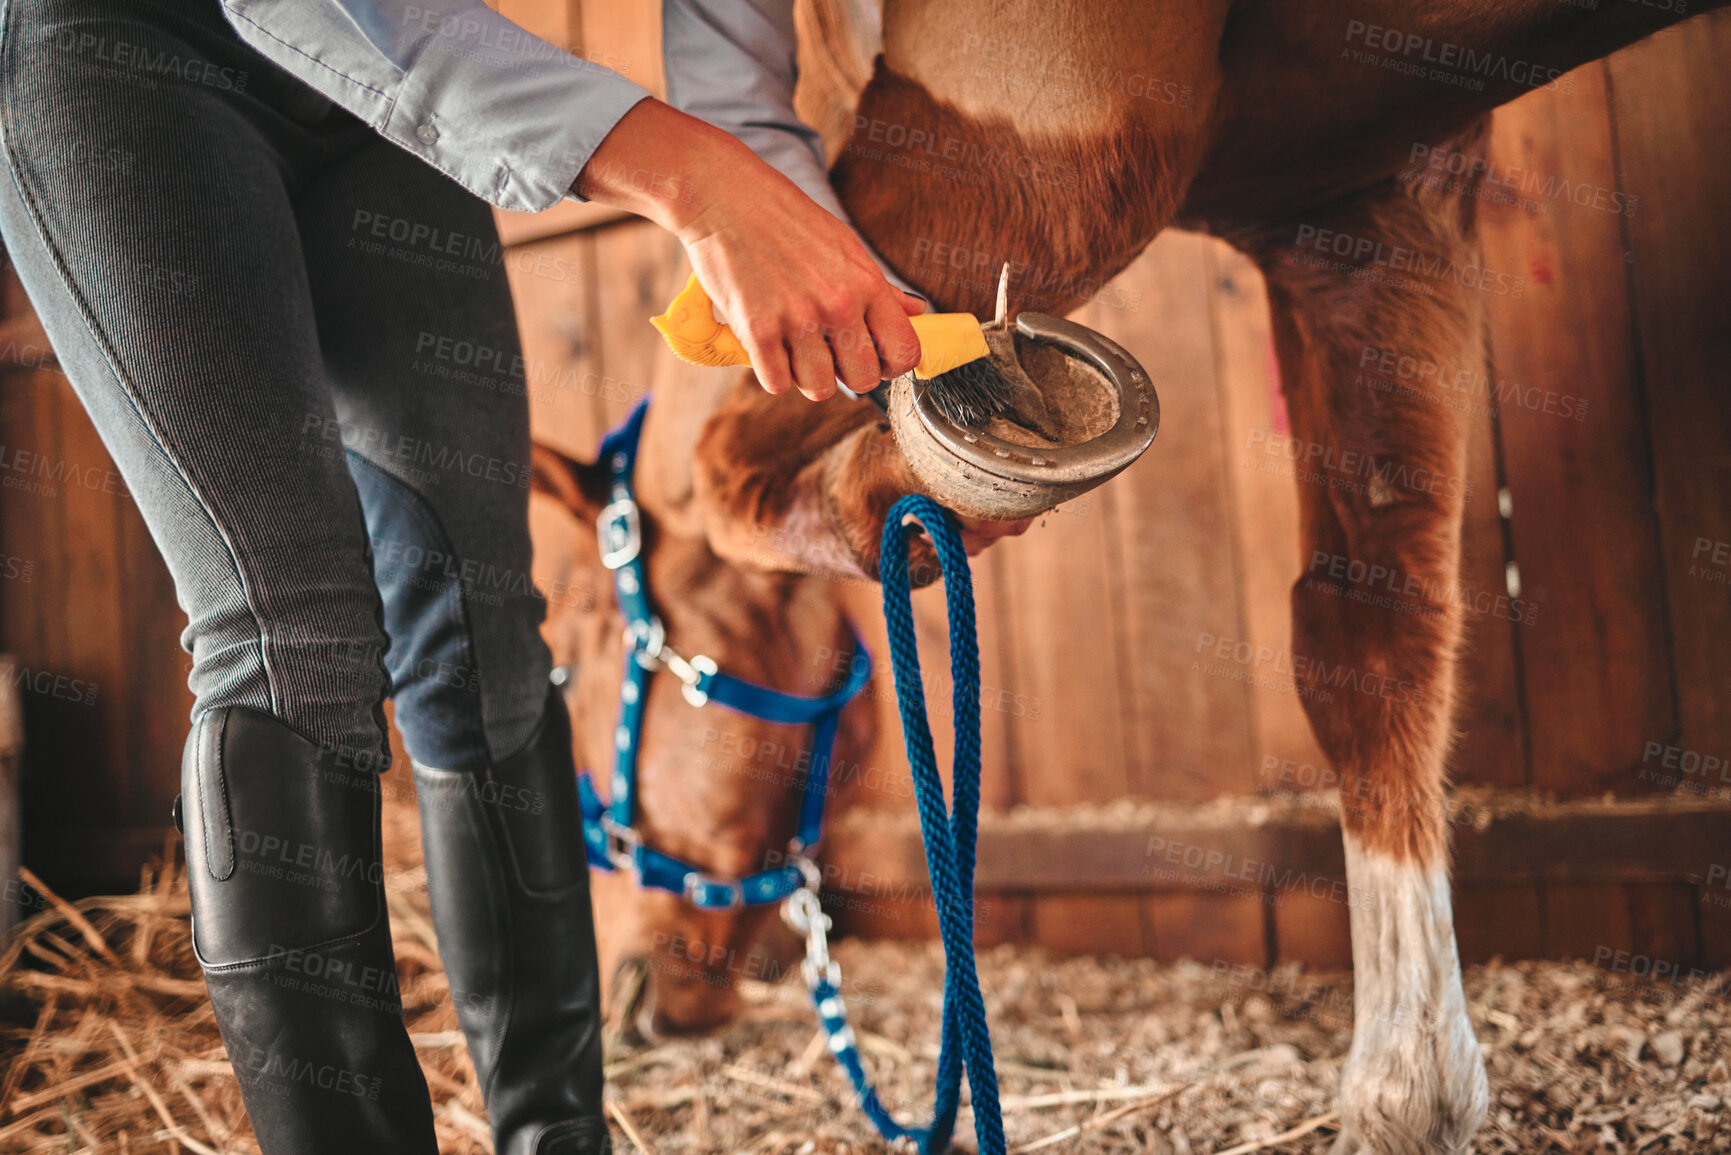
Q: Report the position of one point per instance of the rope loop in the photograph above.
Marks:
(950, 833)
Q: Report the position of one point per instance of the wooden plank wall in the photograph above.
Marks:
(1626, 272)
(87, 608)
(1093, 623)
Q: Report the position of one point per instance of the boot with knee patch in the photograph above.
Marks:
(509, 884)
(289, 923)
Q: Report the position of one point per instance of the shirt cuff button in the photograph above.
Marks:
(427, 134)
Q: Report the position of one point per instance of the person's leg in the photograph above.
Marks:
(148, 212)
(149, 219)
(420, 343)
(419, 340)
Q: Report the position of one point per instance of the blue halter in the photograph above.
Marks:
(949, 831)
(609, 831)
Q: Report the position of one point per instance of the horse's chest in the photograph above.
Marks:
(949, 197)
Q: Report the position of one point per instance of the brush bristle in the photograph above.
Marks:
(969, 394)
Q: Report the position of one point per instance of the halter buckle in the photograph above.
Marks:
(696, 881)
(622, 843)
(619, 532)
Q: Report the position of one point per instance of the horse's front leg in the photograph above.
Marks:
(1379, 455)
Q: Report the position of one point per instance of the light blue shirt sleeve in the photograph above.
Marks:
(505, 114)
(732, 63)
(514, 119)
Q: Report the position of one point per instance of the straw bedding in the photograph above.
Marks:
(107, 1044)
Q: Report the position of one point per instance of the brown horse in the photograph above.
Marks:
(1061, 138)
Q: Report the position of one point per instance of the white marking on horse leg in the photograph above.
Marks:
(1414, 1081)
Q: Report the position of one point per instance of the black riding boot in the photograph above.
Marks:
(510, 894)
(289, 922)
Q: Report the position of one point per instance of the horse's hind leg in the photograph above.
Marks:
(1379, 454)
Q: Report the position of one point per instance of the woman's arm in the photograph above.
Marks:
(806, 298)
(733, 64)
(505, 114)
(522, 124)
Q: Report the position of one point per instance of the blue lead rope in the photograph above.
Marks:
(950, 837)
(613, 843)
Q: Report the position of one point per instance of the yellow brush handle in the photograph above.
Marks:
(947, 340)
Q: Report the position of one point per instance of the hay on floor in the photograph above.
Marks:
(107, 1044)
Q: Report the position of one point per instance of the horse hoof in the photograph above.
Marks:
(1088, 411)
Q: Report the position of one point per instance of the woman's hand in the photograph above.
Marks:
(796, 286)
